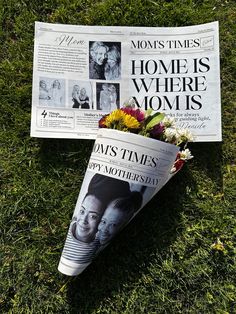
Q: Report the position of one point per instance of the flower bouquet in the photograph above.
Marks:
(135, 154)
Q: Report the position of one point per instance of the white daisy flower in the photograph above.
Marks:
(184, 135)
(170, 135)
(186, 154)
(168, 122)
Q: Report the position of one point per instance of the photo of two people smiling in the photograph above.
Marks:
(108, 205)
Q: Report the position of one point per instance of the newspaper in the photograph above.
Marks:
(124, 172)
(83, 72)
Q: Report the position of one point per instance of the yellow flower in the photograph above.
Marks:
(218, 245)
(114, 117)
(120, 120)
(130, 122)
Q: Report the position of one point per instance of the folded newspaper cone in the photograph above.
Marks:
(124, 172)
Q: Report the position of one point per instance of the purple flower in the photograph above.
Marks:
(136, 113)
(157, 130)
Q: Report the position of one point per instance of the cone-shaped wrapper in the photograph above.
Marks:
(124, 172)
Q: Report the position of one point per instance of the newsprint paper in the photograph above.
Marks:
(83, 72)
(124, 172)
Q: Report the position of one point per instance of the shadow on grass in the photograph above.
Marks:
(209, 160)
(129, 256)
(64, 153)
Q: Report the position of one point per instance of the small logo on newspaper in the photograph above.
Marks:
(44, 114)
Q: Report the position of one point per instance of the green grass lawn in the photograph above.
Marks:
(164, 261)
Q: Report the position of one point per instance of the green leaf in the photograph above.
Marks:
(148, 112)
(156, 118)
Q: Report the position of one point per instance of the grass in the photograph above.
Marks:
(164, 261)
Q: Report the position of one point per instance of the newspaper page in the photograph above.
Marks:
(124, 172)
(83, 72)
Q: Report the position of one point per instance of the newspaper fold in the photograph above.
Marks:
(124, 172)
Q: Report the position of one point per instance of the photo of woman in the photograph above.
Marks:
(113, 65)
(104, 207)
(82, 242)
(98, 54)
(56, 94)
(85, 226)
(81, 95)
(43, 93)
(113, 96)
(51, 92)
(108, 96)
(117, 215)
(104, 60)
(105, 98)
(83, 99)
(75, 96)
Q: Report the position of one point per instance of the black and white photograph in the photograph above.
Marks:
(51, 92)
(104, 207)
(105, 60)
(108, 96)
(80, 95)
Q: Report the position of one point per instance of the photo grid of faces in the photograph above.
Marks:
(100, 92)
(105, 65)
(53, 93)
